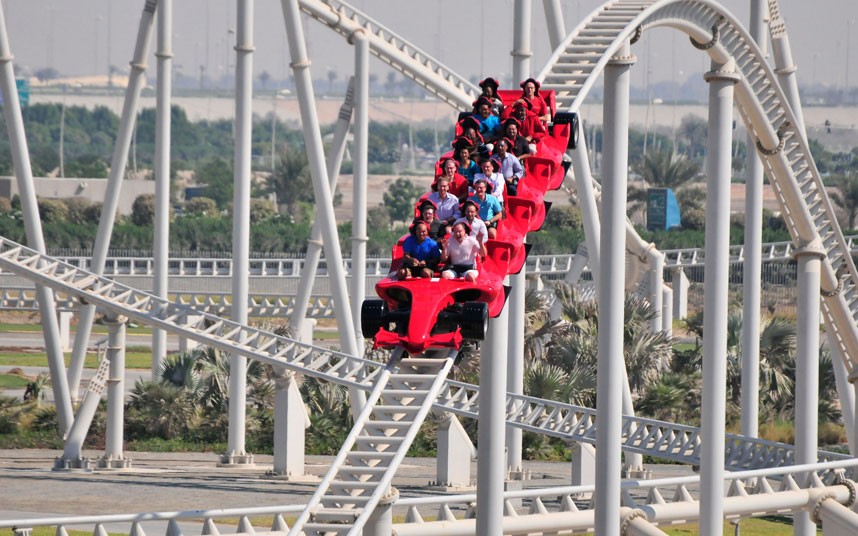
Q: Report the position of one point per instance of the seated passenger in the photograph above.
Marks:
(510, 165)
(489, 123)
(460, 253)
(437, 228)
(490, 209)
(462, 150)
(447, 205)
(471, 216)
(420, 254)
(530, 127)
(490, 91)
(530, 91)
(520, 145)
(489, 173)
(458, 184)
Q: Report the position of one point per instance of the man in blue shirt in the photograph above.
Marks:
(491, 209)
(420, 253)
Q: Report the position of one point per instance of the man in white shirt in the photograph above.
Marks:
(471, 217)
(460, 254)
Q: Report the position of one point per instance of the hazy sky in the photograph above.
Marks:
(85, 36)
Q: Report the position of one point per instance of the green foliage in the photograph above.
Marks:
(846, 197)
(201, 206)
(87, 166)
(400, 198)
(143, 210)
(216, 174)
(79, 210)
(664, 169)
(53, 210)
(261, 210)
(5, 205)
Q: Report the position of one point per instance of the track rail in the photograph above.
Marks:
(647, 436)
(579, 60)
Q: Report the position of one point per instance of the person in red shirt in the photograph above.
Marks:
(458, 183)
(530, 92)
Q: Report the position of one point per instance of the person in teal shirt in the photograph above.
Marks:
(490, 209)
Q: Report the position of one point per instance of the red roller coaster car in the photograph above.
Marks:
(417, 314)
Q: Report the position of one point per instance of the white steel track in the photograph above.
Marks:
(577, 63)
(647, 436)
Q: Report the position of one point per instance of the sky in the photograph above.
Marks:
(473, 37)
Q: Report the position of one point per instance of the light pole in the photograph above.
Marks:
(848, 46)
(98, 19)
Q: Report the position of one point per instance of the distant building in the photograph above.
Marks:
(91, 189)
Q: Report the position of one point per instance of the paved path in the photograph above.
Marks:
(168, 482)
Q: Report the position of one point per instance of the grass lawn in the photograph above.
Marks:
(12, 381)
(133, 359)
(97, 328)
(748, 527)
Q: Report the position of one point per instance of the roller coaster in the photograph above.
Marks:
(420, 319)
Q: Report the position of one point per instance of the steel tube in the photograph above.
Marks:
(321, 188)
(161, 253)
(241, 226)
(611, 297)
(33, 228)
(359, 190)
(521, 47)
(115, 387)
(555, 22)
(807, 367)
(715, 307)
(314, 245)
(118, 161)
(491, 467)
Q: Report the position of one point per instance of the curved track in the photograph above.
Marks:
(576, 64)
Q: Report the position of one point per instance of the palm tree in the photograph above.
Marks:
(665, 169)
(847, 196)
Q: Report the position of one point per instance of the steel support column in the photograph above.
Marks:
(752, 265)
(517, 282)
(521, 48)
(118, 162)
(236, 453)
(359, 194)
(163, 99)
(807, 367)
(33, 228)
(315, 245)
(611, 297)
(556, 24)
(114, 457)
(721, 80)
(491, 466)
(321, 187)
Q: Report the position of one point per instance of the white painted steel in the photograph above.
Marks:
(161, 240)
(118, 162)
(390, 48)
(33, 226)
(359, 188)
(236, 453)
(361, 473)
(611, 294)
(721, 80)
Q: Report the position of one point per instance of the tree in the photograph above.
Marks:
(292, 182)
(847, 196)
(201, 206)
(216, 174)
(400, 198)
(88, 166)
(693, 130)
(663, 169)
(143, 210)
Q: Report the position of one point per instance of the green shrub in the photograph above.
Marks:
(201, 206)
(53, 210)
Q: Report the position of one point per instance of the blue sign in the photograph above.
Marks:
(23, 86)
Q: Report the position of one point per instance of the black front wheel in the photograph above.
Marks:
(373, 316)
(475, 321)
